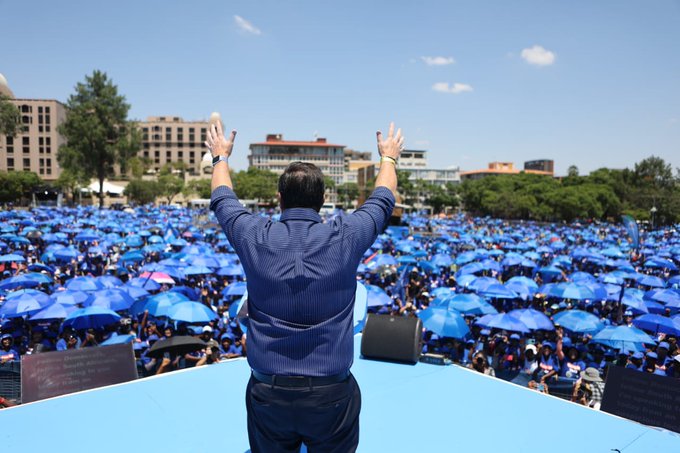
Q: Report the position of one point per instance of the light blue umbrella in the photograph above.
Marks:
(657, 324)
(147, 284)
(119, 339)
(18, 281)
(191, 312)
(578, 321)
(232, 270)
(533, 319)
(442, 292)
(115, 299)
(503, 321)
(376, 296)
(91, 318)
(623, 337)
(442, 260)
(571, 291)
(468, 304)
(444, 322)
(498, 291)
(68, 297)
(53, 311)
(197, 270)
(235, 289)
(109, 281)
(481, 283)
(21, 305)
(83, 284)
(12, 258)
(651, 281)
(159, 304)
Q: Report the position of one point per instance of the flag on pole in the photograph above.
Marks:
(632, 229)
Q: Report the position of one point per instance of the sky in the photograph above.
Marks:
(586, 83)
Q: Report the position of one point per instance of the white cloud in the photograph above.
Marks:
(438, 61)
(538, 55)
(456, 88)
(246, 26)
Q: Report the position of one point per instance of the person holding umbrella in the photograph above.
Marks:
(301, 277)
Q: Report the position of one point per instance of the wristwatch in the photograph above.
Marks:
(218, 159)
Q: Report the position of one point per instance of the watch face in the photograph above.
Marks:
(216, 159)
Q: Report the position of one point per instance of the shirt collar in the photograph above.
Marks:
(300, 214)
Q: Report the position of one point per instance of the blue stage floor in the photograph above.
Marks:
(421, 408)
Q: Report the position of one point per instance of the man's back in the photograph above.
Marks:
(301, 281)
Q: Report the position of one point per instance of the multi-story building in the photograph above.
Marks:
(502, 168)
(275, 154)
(544, 165)
(413, 158)
(354, 160)
(169, 139)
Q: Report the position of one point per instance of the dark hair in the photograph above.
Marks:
(302, 186)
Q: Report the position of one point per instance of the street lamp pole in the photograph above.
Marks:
(653, 212)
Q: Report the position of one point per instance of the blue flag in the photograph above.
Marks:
(170, 234)
(632, 229)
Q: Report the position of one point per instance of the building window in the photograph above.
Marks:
(41, 141)
(48, 150)
(47, 128)
(156, 154)
(10, 163)
(49, 170)
(204, 131)
(40, 129)
(25, 109)
(42, 171)
(27, 163)
(48, 141)
(180, 154)
(47, 119)
(26, 149)
(40, 109)
(10, 140)
(26, 119)
(47, 110)
(146, 154)
(168, 155)
(40, 119)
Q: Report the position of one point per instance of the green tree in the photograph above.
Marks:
(70, 182)
(97, 131)
(348, 192)
(138, 166)
(142, 192)
(169, 185)
(10, 117)
(255, 184)
(200, 187)
(17, 186)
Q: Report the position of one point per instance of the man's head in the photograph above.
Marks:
(302, 186)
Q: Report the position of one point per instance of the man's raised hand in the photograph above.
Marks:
(393, 145)
(217, 143)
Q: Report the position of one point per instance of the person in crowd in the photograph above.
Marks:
(480, 363)
(8, 352)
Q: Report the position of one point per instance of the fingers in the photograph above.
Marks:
(232, 136)
(213, 132)
(208, 145)
(398, 136)
(219, 128)
(378, 136)
(390, 134)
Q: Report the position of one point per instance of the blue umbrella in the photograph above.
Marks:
(115, 299)
(468, 304)
(668, 297)
(623, 337)
(68, 297)
(232, 270)
(635, 303)
(53, 311)
(197, 270)
(83, 284)
(481, 283)
(571, 291)
(134, 241)
(442, 292)
(119, 339)
(134, 291)
(109, 281)
(383, 260)
(533, 319)
(67, 254)
(578, 321)
(159, 304)
(147, 284)
(12, 258)
(19, 281)
(498, 291)
(444, 322)
(91, 318)
(132, 256)
(503, 321)
(582, 277)
(203, 261)
(376, 296)
(191, 312)
(186, 291)
(235, 289)
(525, 281)
(442, 260)
(22, 305)
(657, 324)
(651, 281)
(38, 267)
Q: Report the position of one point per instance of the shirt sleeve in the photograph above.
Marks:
(371, 218)
(231, 215)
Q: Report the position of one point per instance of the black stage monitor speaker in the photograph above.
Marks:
(392, 338)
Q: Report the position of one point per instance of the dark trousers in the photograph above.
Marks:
(325, 418)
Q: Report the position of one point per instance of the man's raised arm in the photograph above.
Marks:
(389, 149)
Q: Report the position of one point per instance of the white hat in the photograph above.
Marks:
(531, 347)
(207, 329)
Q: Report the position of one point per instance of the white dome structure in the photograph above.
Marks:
(4, 87)
(206, 164)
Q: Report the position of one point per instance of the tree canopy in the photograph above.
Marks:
(97, 131)
(10, 117)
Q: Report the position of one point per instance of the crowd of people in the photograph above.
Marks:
(548, 306)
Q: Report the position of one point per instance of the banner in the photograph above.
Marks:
(57, 373)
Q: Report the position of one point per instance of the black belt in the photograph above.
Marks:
(299, 381)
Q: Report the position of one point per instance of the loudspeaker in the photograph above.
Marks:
(392, 338)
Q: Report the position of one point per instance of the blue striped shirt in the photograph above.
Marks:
(301, 276)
